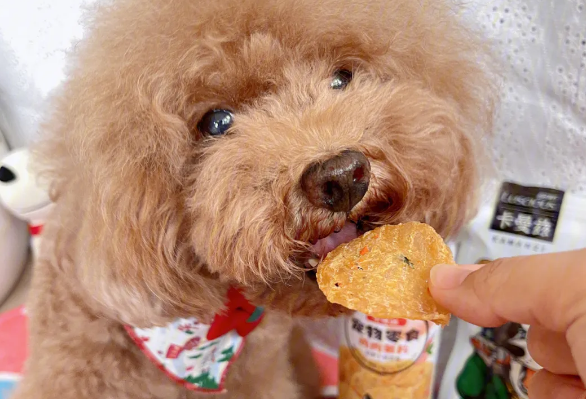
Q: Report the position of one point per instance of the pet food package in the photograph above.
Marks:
(493, 363)
(387, 358)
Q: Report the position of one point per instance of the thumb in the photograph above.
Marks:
(450, 286)
(542, 290)
(547, 290)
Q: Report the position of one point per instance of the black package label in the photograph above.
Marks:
(528, 211)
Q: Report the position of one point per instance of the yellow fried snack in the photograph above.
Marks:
(385, 273)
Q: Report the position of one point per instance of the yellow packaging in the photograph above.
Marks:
(387, 358)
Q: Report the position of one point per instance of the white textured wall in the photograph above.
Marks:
(34, 35)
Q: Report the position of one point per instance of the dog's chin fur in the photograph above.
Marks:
(154, 220)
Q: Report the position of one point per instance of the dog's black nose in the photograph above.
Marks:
(339, 183)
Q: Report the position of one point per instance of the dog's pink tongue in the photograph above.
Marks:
(323, 246)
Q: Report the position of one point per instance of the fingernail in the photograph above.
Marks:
(447, 277)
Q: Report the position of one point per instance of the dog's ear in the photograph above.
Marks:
(468, 79)
(115, 153)
(138, 243)
(470, 128)
(124, 239)
(460, 69)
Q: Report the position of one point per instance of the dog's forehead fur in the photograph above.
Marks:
(230, 51)
(160, 219)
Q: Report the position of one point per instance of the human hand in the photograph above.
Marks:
(547, 292)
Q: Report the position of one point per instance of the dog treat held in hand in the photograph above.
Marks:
(385, 273)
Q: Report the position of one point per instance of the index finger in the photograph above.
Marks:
(547, 290)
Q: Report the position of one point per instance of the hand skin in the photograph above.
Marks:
(548, 292)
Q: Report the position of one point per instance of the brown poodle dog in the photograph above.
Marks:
(200, 145)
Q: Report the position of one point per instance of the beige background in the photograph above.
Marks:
(18, 295)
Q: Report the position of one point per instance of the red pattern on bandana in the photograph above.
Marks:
(238, 311)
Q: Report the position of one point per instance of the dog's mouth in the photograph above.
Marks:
(323, 246)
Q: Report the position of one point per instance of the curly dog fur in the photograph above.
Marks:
(155, 220)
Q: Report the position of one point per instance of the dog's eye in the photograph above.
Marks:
(216, 122)
(341, 79)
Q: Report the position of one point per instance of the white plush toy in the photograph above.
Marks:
(13, 244)
(21, 194)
